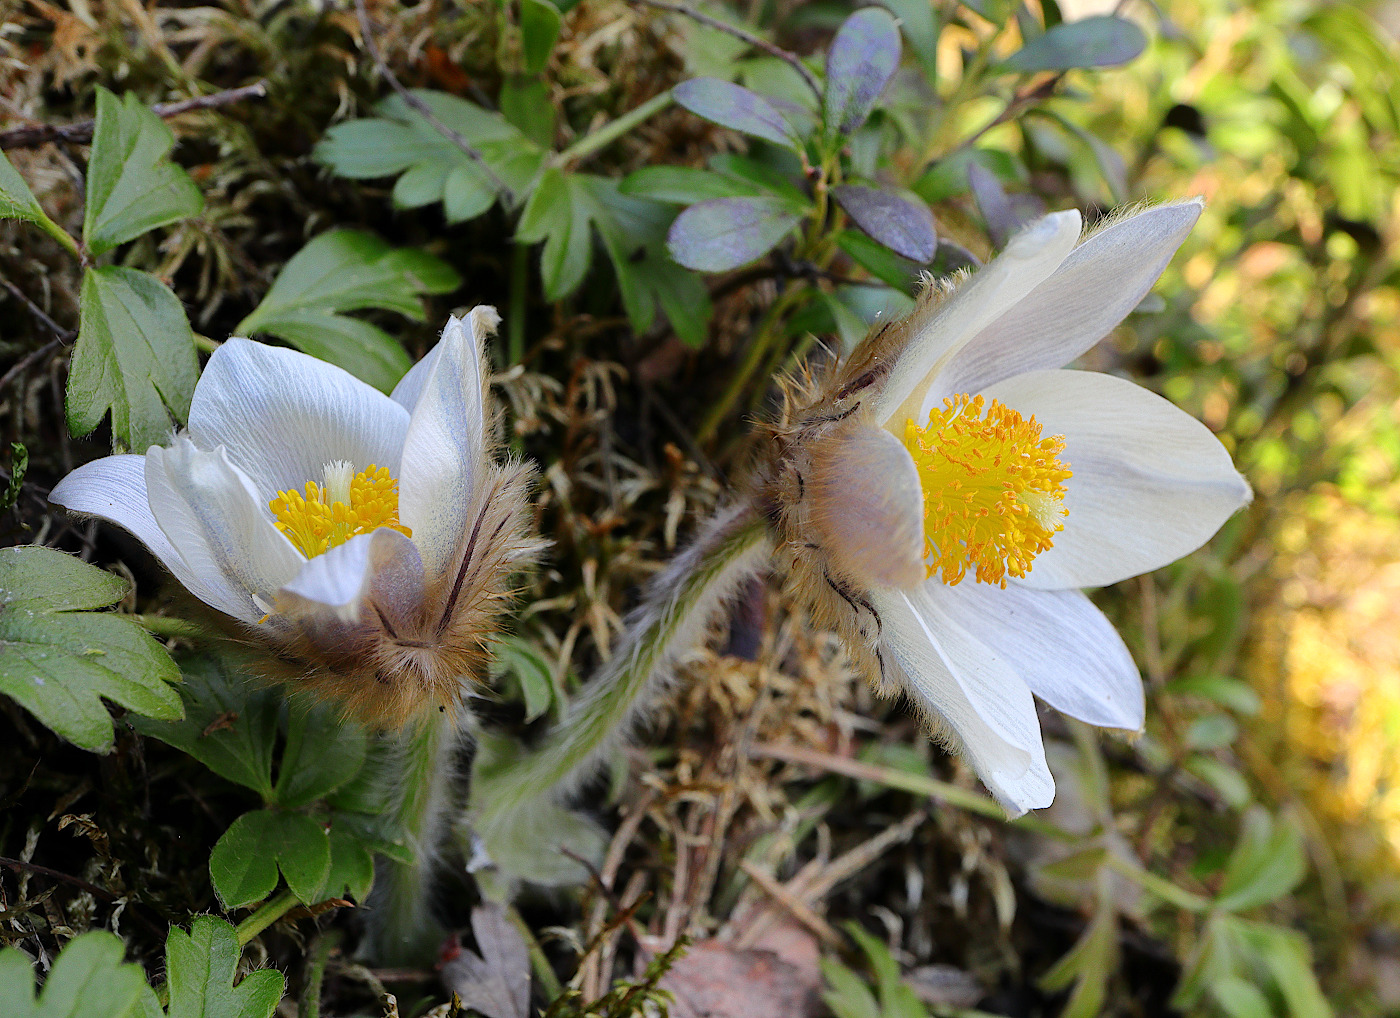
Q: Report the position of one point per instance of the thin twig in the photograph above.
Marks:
(80, 132)
(62, 336)
(753, 40)
(418, 105)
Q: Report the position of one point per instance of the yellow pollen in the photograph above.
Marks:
(346, 504)
(993, 489)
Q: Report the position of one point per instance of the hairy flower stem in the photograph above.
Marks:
(418, 775)
(672, 618)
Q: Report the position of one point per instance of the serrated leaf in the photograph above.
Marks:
(230, 723)
(59, 662)
(16, 200)
(89, 980)
(1104, 40)
(400, 138)
(539, 28)
(135, 356)
(201, 966)
(244, 863)
(725, 233)
(904, 226)
(738, 108)
(342, 271)
(633, 231)
(863, 57)
(131, 186)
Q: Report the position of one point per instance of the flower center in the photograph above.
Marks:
(993, 489)
(346, 504)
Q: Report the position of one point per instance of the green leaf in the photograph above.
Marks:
(201, 966)
(525, 103)
(918, 21)
(400, 138)
(321, 754)
(467, 193)
(1266, 864)
(342, 271)
(539, 28)
(59, 660)
(848, 997)
(89, 980)
(131, 186)
(559, 214)
(245, 860)
(878, 260)
(1104, 40)
(686, 185)
(135, 355)
(230, 723)
(521, 659)
(352, 865)
(1241, 999)
(1087, 966)
(527, 842)
(16, 200)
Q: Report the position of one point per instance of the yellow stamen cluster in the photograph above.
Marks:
(345, 505)
(993, 489)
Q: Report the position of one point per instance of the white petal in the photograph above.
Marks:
(114, 489)
(212, 514)
(283, 415)
(443, 453)
(1060, 645)
(1029, 258)
(1150, 484)
(1094, 289)
(482, 321)
(957, 678)
(377, 572)
(867, 507)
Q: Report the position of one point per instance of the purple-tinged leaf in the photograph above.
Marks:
(723, 234)
(993, 203)
(1105, 40)
(862, 58)
(904, 226)
(736, 107)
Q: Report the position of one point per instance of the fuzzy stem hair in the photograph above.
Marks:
(676, 609)
(418, 777)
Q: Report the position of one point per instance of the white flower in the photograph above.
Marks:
(366, 537)
(946, 496)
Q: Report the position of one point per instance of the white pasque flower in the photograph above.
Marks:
(367, 538)
(948, 492)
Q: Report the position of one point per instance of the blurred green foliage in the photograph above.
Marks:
(637, 186)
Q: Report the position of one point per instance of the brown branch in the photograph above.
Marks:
(80, 132)
(771, 49)
(418, 105)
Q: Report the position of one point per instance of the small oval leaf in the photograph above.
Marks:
(1105, 40)
(862, 58)
(903, 226)
(723, 234)
(736, 107)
